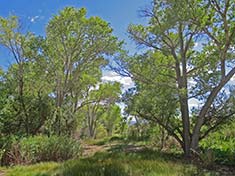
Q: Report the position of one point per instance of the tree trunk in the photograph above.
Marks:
(195, 141)
(109, 132)
(186, 127)
(21, 96)
(91, 118)
(205, 108)
(183, 99)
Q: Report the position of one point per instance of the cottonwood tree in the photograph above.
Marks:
(155, 97)
(76, 48)
(48, 82)
(195, 41)
(25, 93)
(103, 99)
(111, 118)
(99, 108)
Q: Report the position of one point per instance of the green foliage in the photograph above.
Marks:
(25, 102)
(221, 144)
(76, 48)
(49, 80)
(173, 70)
(155, 98)
(5, 146)
(14, 120)
(54, 85)
(102, 115)
(138, 132)
(42, 148)
(111, 119)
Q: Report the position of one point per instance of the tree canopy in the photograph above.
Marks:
(190, 56)
(52, 76)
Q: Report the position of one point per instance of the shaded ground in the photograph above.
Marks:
(224, 170)
(90, 150)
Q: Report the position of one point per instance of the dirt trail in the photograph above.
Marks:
(90, 150)
(2, 173)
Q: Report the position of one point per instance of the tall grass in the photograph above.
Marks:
(141, 163)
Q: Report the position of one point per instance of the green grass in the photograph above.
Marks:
(41, 169)
(114, 162)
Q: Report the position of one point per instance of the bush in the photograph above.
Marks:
(42, 148)
(5, 145)
(116, 138)
(221, 143)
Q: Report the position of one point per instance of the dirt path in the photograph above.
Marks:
(2, 173)
(90, 150)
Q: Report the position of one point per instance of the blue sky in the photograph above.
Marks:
(35, 14)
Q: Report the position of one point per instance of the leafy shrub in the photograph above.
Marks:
(5, 145)
(139, 132)
(222, 145)
(116, 138)
(42, 148)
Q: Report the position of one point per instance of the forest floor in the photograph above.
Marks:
(114, 159)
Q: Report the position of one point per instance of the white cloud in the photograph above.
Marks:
(233, 78)
(128, 83)
(193, 103)
(191, 82)
(198, 46)
(112, 76)
(34, 18)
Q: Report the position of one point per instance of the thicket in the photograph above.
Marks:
(30, 150)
